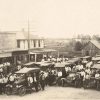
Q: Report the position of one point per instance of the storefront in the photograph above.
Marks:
(5, 57)
(20, 56)
(36, 55)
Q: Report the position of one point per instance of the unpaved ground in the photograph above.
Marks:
(58, 93)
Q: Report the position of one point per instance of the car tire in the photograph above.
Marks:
(39, 87)
(8, 91)
(22, 91)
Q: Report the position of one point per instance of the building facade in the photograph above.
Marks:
(7, 44)
(33, 44)
(92, 48)
(7, 41)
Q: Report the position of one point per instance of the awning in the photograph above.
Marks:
(5, 54)
(39, 51)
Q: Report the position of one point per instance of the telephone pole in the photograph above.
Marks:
(28, 41)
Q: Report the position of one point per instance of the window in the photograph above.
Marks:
(18, 43)
(34, 43)
(39, 42)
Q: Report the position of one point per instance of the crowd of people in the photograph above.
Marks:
(51, 76)
(85, 72)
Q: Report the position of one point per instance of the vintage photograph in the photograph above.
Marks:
(49, 49)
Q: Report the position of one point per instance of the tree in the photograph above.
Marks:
(78, 46)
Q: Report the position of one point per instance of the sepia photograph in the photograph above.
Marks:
(49, 49)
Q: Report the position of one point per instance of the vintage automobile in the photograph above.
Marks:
(95, 59)
(93, 82)
(85, 59)
(68, 78)
(74, 60)
(45, 65)
(73, 79)
(31, 65)
(20, 85)
(89, 83)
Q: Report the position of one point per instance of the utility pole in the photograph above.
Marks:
(28, 41)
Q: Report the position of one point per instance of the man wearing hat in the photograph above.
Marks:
(42, 80)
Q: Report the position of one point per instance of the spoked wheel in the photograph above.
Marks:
(8, 91)
(62, 82)
(22, 91)
(39, 87)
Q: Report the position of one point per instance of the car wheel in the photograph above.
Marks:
(8, 91)
(22, 91)
(59, 83)
(76, 84)
(62, 82)
(39, 87)
(98, 87)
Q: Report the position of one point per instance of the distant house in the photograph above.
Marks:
(92, 48)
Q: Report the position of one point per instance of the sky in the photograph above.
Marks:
(51, 18)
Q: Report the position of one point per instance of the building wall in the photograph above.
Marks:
(34, 43)
(90, 49)
(7, 41)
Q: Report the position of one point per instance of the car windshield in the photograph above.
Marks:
(71, 75)
(19, 76)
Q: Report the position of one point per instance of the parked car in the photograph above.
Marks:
(93, 82)
(85, 59)
(73, 79)
(31, 65)
(45, 65)
(20, 85)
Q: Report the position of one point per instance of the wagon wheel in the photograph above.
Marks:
(8, 91)
(22, 91)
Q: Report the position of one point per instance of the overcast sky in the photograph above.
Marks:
(51, 18)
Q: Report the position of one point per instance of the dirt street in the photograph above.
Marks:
(58, 93)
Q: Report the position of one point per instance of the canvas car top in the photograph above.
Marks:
(97, 66)
(61, 64)
(26, 70)
(30, 63)
(44, 63)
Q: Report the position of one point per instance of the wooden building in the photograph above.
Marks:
(92, 48)
(34, 45)
(7, 43)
